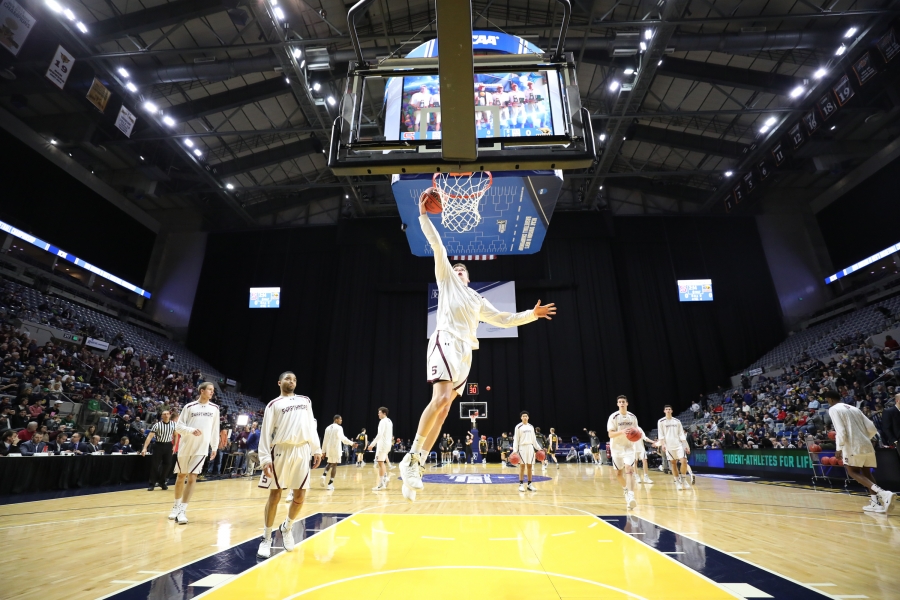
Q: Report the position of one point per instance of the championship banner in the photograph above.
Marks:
(125, 121)
(888, 45)
(60, 67)
(864, 69)
(502, 294)
(98, 95)
(15, 25)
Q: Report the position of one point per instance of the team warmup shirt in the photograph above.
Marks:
(524, 436)
(854, 431)
(619, 422)
(384, 437)
(671, 432)
(332, 440)
(460, 308)
(202, 417)
(288, 421)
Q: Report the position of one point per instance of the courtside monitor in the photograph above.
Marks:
(695, 290)
(265, 297)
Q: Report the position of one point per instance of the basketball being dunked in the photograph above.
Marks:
(449, 354)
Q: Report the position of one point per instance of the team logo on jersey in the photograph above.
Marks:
(476, 478)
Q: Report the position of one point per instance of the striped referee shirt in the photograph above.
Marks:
(163, 431)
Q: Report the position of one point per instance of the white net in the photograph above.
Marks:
(460, 195)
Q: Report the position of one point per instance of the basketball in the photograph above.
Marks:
(514, 458)
(433, 201)
(488, 388)
(832, 435)
(540, 456)
(634, 434)
(825, 460)
(815, 448)
(838, 462)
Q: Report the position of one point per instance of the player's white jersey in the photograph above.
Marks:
(288, 421)
(332, 440)
(420, 100)
(854, 431)
(385, 437)
(460, 308)
(203, 417)
(671, 432)
(619, 422)
(524, 437)
(500, 98)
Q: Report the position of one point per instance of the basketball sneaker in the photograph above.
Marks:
(323, 481)
(265, 548)
(521, 487)
(693, 479)
(531, 487)
(330, 487)
(409, 494)
(630, 502)
(392, 466)
(379, 488)
(287, 536)
(409, 469)
(484, 461)
(174, 512)
(887, 500)
(874, 505)
(647, 479)
(678, 485)
(386, 479)
(181, 518)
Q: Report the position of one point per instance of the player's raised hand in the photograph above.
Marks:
(544, 312)
(422, 197)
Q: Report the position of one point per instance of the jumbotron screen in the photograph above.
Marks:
(695, 290)
(267, 297)
(506, 105)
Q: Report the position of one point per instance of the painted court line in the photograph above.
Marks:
(151, 572)
(822, 584)
(354, 522)
(740, 553)
(129, 581)
(592, 525)
(429, 537)
(563, 533)
(852, 596)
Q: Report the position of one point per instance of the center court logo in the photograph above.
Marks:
(476, 478)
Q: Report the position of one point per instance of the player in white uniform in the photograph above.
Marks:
(673, 441)
(517, 102)
(853, 442)
(418, 101)
(287, 441)
(621, 449)
(640, 454)
(382, 444)
(525, 444)
(501, 99)
(449, 355)
(198, 426)
(332, 446)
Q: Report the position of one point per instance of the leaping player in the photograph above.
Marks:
(674, 442)
(621, 449)
(449, 354)
(287, 442)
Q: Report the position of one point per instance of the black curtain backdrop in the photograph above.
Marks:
(352, 322)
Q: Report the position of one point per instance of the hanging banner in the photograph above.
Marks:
(729, 204)
(763, 169)
(125, 121)
(826, 106)
(15, 25)
(811, 120)
(60, 67)
(888, 45)
(843, 91)
(796, 136)
(749, 183)
(864, 68)
(778, 154)
(98, 95)
(738, 193)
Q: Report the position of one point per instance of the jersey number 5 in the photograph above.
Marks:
(434, 369)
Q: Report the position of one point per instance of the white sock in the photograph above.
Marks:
(268, 533)
(877, 489)
(417, 443)
(177, 502)
(184, 506)
(288, 523)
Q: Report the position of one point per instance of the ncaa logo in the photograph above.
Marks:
(484, 40)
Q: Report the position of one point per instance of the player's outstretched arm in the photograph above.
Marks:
(442, 269)
(544, 312)
(489, 314)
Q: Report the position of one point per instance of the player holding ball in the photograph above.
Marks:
(623, 432)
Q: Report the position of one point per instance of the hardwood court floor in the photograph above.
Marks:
(96, 545)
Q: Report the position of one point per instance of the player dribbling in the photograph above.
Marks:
(622, 449)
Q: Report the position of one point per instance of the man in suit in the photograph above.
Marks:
(61, 443)
(891, 423)
(77, 446)
(123, 447)
(9, 443)
(35, 445)
(94, 445)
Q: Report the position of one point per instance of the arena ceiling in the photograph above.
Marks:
(239, 112)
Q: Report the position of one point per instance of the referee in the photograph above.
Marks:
(161, 462)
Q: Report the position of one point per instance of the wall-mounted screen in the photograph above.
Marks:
(695, 290)
(267, 297)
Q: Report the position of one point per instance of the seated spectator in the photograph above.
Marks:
(25, 435)
(34, 446)
(60, 443)
(77, 446)
(94, 445)
(9, 443)
(20, 418)
(123, 446)
(891, 343)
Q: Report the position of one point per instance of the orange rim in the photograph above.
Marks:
(436, 176)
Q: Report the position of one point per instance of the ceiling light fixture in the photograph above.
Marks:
(331, 100)
(279, 14)
(287, 80)
(602, 137)
(833, 127)
(648, 34)
(230, 186)
(81, 27)
(131, 87)
(69, 14)
(303, 63)
(729, 173)
(764, 129)
(150, 107)
(613, 85)
(850, 32)
(771, 121)
(659, 64)
(643, 46)
(820, 73)
(197, 152)
(841, 50)
(346, 196)
(54, 6)
(797, 91)
(141, 157)
(317, 86)
(188, 143)
(297, 52)
(169, 121)
(629, 70)
(123, 72)
(53, 142)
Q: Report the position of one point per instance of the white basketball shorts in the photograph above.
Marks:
(526, 453)
(861, 460)
(449, 359)
(676, 453)
(189, 463)
(622, 457)
(381, 455)
(291, 465)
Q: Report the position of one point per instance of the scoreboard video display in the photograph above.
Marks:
(695, 290)
(268, 297)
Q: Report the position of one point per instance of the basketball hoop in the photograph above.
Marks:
(460, 195)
